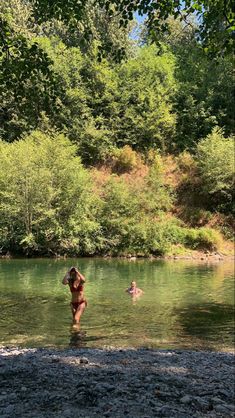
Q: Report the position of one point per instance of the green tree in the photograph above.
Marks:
(146, 88)
(89, 106)
(215, 156)
(101, 81)
(28, 86)
(216, 17)
(47, 202)
(204, 97)
(41, 74)
(95, 27)
(215, 29)
(73, 100)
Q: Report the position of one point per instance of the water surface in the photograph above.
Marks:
(185, 304)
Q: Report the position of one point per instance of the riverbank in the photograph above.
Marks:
(178, 254)
(115, 383)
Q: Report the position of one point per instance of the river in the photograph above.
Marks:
(186, 304)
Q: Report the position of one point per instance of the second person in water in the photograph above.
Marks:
(134, 290)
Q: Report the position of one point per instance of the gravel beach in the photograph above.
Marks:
(74, 383)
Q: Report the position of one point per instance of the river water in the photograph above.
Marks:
(186, 304)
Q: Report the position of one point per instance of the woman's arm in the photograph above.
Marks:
(66, 278)
(81, 277)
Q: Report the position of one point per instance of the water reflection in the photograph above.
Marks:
(134, 298)
(80, 338)
(77, 336)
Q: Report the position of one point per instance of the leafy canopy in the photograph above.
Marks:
(216, 17)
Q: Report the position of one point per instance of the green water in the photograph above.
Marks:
(185, 304)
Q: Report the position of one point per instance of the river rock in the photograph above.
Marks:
(84, 360)
(115, 383)
(186, 399)
(222, 409)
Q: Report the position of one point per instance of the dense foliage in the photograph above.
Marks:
(51, 204)
(45, 196)
(85, 140)
(216, 169)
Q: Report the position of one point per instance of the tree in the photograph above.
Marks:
(95, 26)
(146, 87)
(28, 86)
(32, 64)
(216, 167)
(133, 211)
(216, 17)
(47, 202)
(204, 97)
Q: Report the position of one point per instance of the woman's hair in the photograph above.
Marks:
(73, 273)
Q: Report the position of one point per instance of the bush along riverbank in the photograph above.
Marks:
(134, 204)
(116, 383)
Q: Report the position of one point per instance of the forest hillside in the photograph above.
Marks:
(112, 144)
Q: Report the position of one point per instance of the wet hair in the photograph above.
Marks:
(73, 273)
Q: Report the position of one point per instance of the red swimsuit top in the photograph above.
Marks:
(132, 290)
(76, 289)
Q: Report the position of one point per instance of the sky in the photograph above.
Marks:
(139, 18)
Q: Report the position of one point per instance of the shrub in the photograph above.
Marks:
(203, 238)
(125, 159)
(186, 162)
(94, 145)
(196, 216)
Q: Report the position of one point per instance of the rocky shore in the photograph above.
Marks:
(195, 256)
(134, 383)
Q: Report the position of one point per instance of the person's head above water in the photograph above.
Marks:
(133, 289)
(133, 284)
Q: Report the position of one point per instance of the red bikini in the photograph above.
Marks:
(73, 289)
(75, 305)
(76, 289)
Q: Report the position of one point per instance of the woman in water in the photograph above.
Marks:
(76, 281)
(133, 290)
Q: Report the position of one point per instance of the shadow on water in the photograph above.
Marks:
(207, 321)
(77, 337)
(30, 308)
(81, 339)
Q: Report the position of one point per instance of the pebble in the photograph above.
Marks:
(221, 408)
(186, 399)
(115, 383)
(230, 407)
(9, 409)
(84, 361)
